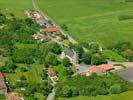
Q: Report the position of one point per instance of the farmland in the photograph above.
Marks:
(92, 20)
(15, 6)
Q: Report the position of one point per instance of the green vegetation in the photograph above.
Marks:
(113, 56)
(91, 86)
(21, 62)
(15, 6)
(123, 96)
(92, 20)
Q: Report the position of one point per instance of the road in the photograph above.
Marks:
(36, 7)
(126, 64)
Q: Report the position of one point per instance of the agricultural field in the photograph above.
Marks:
(123, 96)
(15, 6)
(92, 20)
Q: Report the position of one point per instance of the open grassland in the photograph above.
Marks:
(122, 96)
(92, 20)
(15, 6)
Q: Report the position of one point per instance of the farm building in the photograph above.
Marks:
(100, 70)
(54, 30)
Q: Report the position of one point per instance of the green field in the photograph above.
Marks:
(92, 20)
(15, 6)
(122, 96)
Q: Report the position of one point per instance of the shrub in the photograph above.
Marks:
(128, 0)
(116, 89)
(125, 17)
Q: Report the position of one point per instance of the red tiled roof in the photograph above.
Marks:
(52, 29)
(1, 76)
(102, 68)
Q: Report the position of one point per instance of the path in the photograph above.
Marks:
(51, 96)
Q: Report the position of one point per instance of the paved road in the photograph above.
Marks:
(126, 64)
(36, 7)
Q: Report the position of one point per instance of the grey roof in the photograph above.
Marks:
(69, 53)
(42, 22)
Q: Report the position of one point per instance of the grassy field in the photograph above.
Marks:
(15, 6)
(92, 20)
(122, 96)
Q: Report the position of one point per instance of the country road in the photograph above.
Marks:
(36, 7)
(126, 64)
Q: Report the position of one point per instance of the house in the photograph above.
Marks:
(54, 30)
(52, 75)
(71, 55)
(14, 96)
(3, 88)
(39, 36)
(100, 70)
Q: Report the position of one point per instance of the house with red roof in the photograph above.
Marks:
(100, 70)
(54, 30)
(3, 88)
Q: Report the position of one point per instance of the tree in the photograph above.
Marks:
(86, 58)
(66, 62)
(56, 48)
(116, 89)
(23, 78)
(68, 71)
(97, 59)
(64, 27)
(51, 59)
(128, 54)
(78, 49)
(66, 91)
(44, 74)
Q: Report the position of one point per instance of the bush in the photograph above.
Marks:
(125, 17)
(128, 0)
(116, 89)
(66, 62)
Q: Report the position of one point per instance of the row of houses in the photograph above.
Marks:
(48, 26)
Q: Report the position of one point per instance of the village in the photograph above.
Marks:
(48, 33)
(52, 33)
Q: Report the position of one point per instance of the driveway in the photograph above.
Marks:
(126, 74)
(82, 68)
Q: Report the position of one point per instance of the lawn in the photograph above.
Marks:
(92, 20)
(15, 6)
(122, 96)
(108, 54)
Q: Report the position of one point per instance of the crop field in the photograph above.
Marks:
(15, 6)
(92, 20)
(122, 96)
